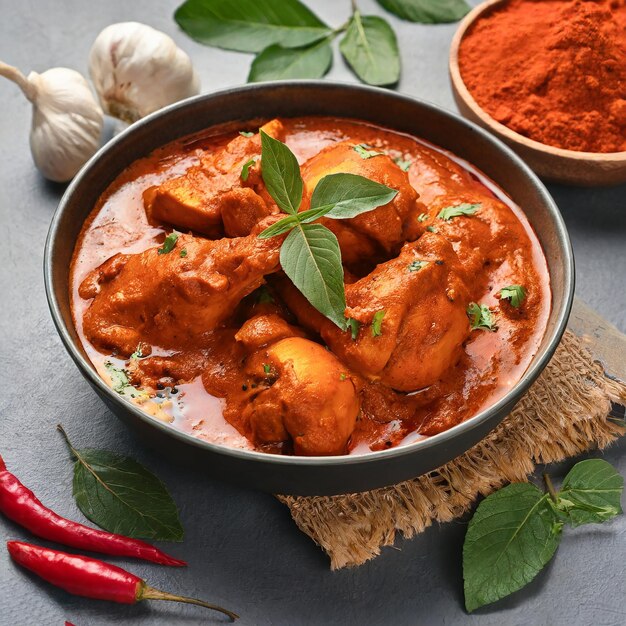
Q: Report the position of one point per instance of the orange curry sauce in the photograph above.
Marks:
(203, 380)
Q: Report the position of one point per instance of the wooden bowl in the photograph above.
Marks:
(555, 164)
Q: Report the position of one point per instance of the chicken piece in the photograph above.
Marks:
(376, 235)
(264, 329)
(211, 198)
(311, 399)
(411, 312)
(173, 300)
(492, 236)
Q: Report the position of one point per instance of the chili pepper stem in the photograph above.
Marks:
(150, 593)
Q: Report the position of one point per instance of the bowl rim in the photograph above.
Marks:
(613, 158)
(538, 363)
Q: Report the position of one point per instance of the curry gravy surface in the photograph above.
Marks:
(504, 251)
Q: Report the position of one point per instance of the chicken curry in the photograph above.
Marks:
(187, 312)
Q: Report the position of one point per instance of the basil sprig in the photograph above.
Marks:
(310, 254)
(516, 530)
(290, 41)
(120, 495)
(427, 11)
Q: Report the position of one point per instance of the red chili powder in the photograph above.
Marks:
(552, 70)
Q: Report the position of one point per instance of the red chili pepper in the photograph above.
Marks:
(21, 505)
(91, 578)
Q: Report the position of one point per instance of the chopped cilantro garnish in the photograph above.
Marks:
(183, 253)
(402, 164)
(377, 323)
(514, 293)
(137, 354)
(416, 266)
(354, 326)
(168, 243)
(121, 383)
(365, 151)
(245, 170)
(267, 368)
(458, 210)
(264, 296)
(481, 317)
(342, 376)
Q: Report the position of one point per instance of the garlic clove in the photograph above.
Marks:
(67, 121)
(137, 69)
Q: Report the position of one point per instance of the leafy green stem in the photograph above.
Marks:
(67, 441)
(550, 487)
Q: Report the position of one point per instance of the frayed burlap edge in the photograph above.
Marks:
(564, 413)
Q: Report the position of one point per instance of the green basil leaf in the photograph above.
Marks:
(122, 496)
(250, 25)
(281, 174)
(310, 215)
(427, 11)
(349, 195)
(511, 537)
(591, 492)
(371, 48)
(277, 63)
(280, 227)
(311, 258)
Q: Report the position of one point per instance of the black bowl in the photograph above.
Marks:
(310, 475)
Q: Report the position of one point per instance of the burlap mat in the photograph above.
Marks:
(565, 412)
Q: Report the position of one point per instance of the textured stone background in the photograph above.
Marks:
(243, 549)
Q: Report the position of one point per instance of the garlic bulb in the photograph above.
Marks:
(137, 70)
(67, 121)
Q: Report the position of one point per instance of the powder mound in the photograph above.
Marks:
(552, 70)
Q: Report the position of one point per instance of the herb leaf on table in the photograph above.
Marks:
(591, 492)
(278, 63)
(292, 42)
(250, 25)
(120, 495)
(371, 48)
(516, 530)
(427, 11)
